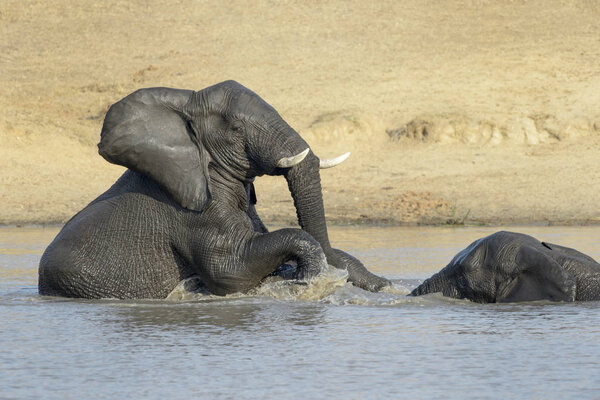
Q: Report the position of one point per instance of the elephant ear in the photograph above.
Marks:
(538, 277)
(570, 253)
(148, 132)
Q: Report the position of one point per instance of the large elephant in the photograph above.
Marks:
(185, 206)
(513, 267)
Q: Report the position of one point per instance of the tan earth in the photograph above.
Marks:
(467, 111)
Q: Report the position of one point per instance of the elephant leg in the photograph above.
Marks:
(286, 270)
(358, 273)
(260, 256)
(288, 244)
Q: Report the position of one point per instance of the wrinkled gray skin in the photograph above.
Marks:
(513, 267)
(186, 204)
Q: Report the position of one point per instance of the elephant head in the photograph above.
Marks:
(507, 267)
(179, 137)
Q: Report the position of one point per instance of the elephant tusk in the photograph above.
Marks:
(323, 164)
(287, 162)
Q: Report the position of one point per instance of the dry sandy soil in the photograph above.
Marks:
(466, 111)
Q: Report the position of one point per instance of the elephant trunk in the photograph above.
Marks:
(436, 283)
(304, 183)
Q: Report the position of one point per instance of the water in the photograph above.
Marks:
(334, 342)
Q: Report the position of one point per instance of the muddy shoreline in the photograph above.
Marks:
(467, 112)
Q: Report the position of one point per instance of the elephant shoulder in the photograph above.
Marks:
(138, 192)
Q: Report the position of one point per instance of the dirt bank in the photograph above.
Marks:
(467, 111)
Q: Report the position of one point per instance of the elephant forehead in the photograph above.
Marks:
(234, 100)
(246, 103)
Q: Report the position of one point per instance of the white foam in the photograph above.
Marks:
(315, 289)
(330, 287)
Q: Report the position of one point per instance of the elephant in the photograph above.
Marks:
(185, 206)
(513, 267)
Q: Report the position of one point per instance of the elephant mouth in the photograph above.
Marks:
(291, 161)
(288, 162)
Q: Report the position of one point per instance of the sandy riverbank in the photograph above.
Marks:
(471, 111)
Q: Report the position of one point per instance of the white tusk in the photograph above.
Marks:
(333, 161)
(288, 162)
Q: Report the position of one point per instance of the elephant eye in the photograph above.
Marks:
(236, 126)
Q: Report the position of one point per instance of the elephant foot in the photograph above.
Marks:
(287, 271)
(359, 277)
(290, 270)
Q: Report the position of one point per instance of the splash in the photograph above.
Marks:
(317, 288)
(190, 289)
(352, 295)
(329, 287)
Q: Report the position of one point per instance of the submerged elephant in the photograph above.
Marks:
(513, 267)
(185, 206)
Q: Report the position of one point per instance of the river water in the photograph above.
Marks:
(291, 342)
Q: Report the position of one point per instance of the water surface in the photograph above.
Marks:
(335, 342)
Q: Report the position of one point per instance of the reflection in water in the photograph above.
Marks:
(250, 314)
(340, 343)
(20, 251)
